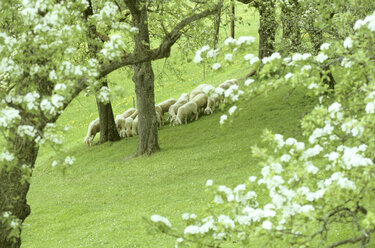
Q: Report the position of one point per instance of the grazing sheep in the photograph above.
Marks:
(184, 112)
(198, 90)
(135, 114)
(120, 125)
(201, 101)
(135, 126)
(166, 105)
(159, 115)
(184, 98)
(226, 84)
(211, 104)
(93, 129)
(128, 126)
(128, 113)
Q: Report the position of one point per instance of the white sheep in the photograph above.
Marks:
(135, 114)
(201, 101)
(166, 105)
(184, 112)
(198, 90)
(93, 129)
(159, 115)
(135, 126)
(128, 126)
(211, 104)
(184, 98)
(120, 125)
(128, 113)
(226, 84)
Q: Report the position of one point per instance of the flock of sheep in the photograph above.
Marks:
(202, 100)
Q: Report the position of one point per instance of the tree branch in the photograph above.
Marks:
(164, 48)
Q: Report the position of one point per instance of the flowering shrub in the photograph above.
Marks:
(312, 187)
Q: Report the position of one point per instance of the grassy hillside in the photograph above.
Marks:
(100, 200)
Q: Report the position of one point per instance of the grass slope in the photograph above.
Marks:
(101, 199)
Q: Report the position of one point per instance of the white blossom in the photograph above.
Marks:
(223, 118)
(321, 57)
(229, 40)
(232, 110)
(267, 225)
(249, 81)
(348, 43)
(228, 57)
(209, 183)
(324, 46)
(289, 75)
(245, 40)
(192, 229)
(216, 66)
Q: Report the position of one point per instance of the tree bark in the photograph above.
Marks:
(291, 28)
(108, 131)
(217, 28)
(144, 86)
(14, 186)
(232, 17)
(267, 28)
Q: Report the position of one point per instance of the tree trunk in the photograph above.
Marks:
(217, 28)
(144, 87)
(147, 124)
(108, 131)
(267, 28)
(291, 29)
(232, 17)
(14, 185)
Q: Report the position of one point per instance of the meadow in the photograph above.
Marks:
(101, 199)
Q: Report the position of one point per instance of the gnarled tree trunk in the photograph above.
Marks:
(108, 131)
(291, 28)
(267, 28)
(14, 186)
(144, 87)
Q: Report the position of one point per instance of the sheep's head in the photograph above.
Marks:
(208, 111)
(128, 127)
(88, 140)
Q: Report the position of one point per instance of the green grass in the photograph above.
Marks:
(100, 201)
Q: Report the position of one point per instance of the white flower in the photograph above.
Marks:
(223, 118)
(133, 30)
(334, 107)
(26, 130)
(14, 224)
(285, 158)
(209, 183)
(267, 225)
(297, 57)
(348, 43)
(289, 75)
(358, 24)
(187, 216)
(229, 40)
(157, 218)
(54, 163)
(6, 156)
(321, 57)
(192, 229)
(212, 53)
(232, 110)
(197, 58)
(60, 87)
(252, 179)
(305, 68)
(324, 46)
(228, 57)
(240, 187)
(69, 160)
(6, 214)
(57, 101)
(245, 39)
(226, 221)
(346, 63)
(249, 81)
(216, 66)
(218, 199)
(254, 60)
(312, 86)
(204, 48)
(249, 56)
